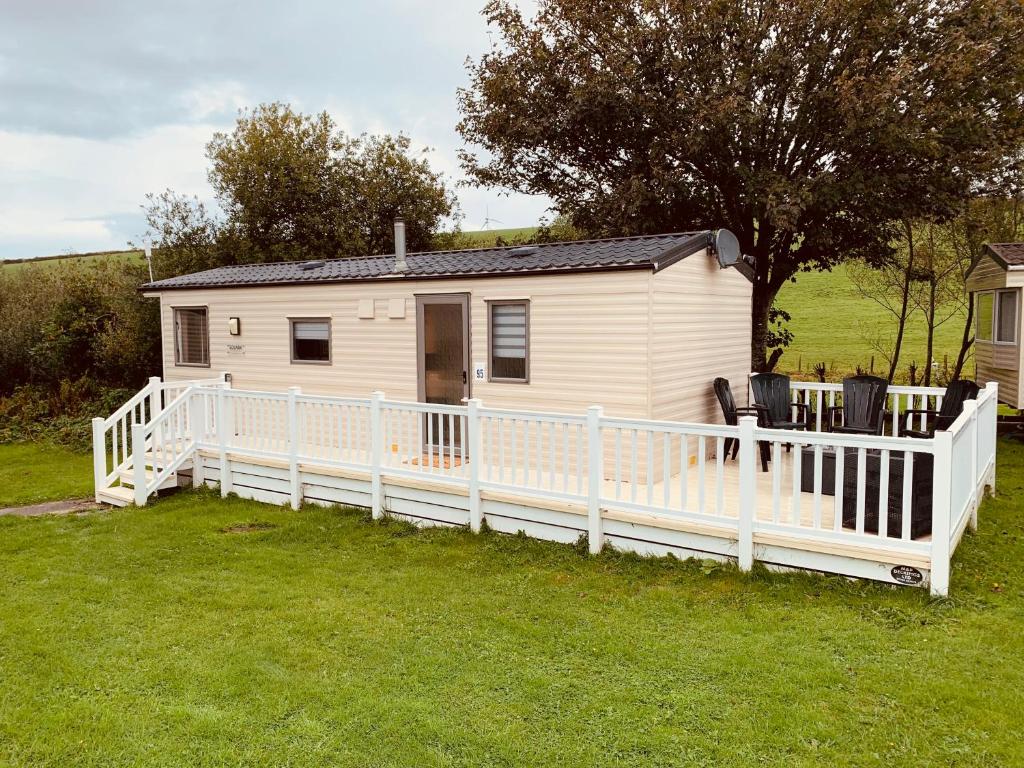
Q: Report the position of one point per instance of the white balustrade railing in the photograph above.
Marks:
(821, 396)
(671, 468)
(543, 454)
(893, 494)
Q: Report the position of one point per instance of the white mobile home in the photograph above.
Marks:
(996, 280)
(640, 325)
(531, 337)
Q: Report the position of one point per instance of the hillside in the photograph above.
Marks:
(78, 258)
(831, 322)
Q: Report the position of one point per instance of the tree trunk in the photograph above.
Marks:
(931, 334)
(967, 339)
(762, 299)
(906, 299)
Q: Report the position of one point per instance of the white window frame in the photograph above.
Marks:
(997, 299)
(178, 362)
(996, 307)
(291, 340)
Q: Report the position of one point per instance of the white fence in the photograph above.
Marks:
(883, 507)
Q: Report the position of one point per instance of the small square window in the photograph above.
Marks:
(311, 340)
(191, 336)
(509, 340)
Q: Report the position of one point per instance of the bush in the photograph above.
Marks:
(61, 414)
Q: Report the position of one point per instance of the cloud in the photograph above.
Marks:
(102, 102)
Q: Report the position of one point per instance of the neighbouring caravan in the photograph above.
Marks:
(995, 280)
(639, 325)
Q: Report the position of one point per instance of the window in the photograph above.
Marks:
(509, 337)
(998, 316)
(1006, 317)
(191, 337)
(311, 340)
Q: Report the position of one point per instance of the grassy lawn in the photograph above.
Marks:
(202, 632)
(30, 473)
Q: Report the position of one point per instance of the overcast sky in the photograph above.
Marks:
(101, 102)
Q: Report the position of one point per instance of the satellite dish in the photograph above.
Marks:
(727, 248)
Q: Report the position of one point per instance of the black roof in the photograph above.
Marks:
(651, 252)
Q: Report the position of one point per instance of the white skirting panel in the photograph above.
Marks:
(432, 503)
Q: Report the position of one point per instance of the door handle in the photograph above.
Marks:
(465, 378)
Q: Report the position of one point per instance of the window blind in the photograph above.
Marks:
(509, 342)
(508, 324)
(312, 330)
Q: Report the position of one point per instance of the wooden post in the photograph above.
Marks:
(293, 447)
(942, 488)
(376, 455)
(139, 464)
(748, 492)
(475, 457)
(225, 429)
(99, 457)
(595, 478)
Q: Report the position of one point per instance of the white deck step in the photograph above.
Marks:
(117, 496)
(128, 478)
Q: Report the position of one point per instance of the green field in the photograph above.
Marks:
(834, 324)
(84, 258)
(203, 632)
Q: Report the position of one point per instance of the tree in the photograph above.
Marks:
(293, 186)
(997, 217)
(185, 231)
(889, 283)
(809, 128)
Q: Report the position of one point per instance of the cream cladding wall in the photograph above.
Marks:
(700, 330)
(588, 338)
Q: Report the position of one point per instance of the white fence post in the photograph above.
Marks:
(376, 455)
(197, 425)
(224, 432)
(942, 488)
(971, 409)
(155, 404)
(748, 492)
(595, 477)
(139, 464)
(993, 387)
(475, 457)
(99, 457)
(293, 447)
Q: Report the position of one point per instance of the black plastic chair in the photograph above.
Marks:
(771, 390)
(957, 393)
(863, 408)
(731, 412)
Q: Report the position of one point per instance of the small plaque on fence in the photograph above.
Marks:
(906, 574)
